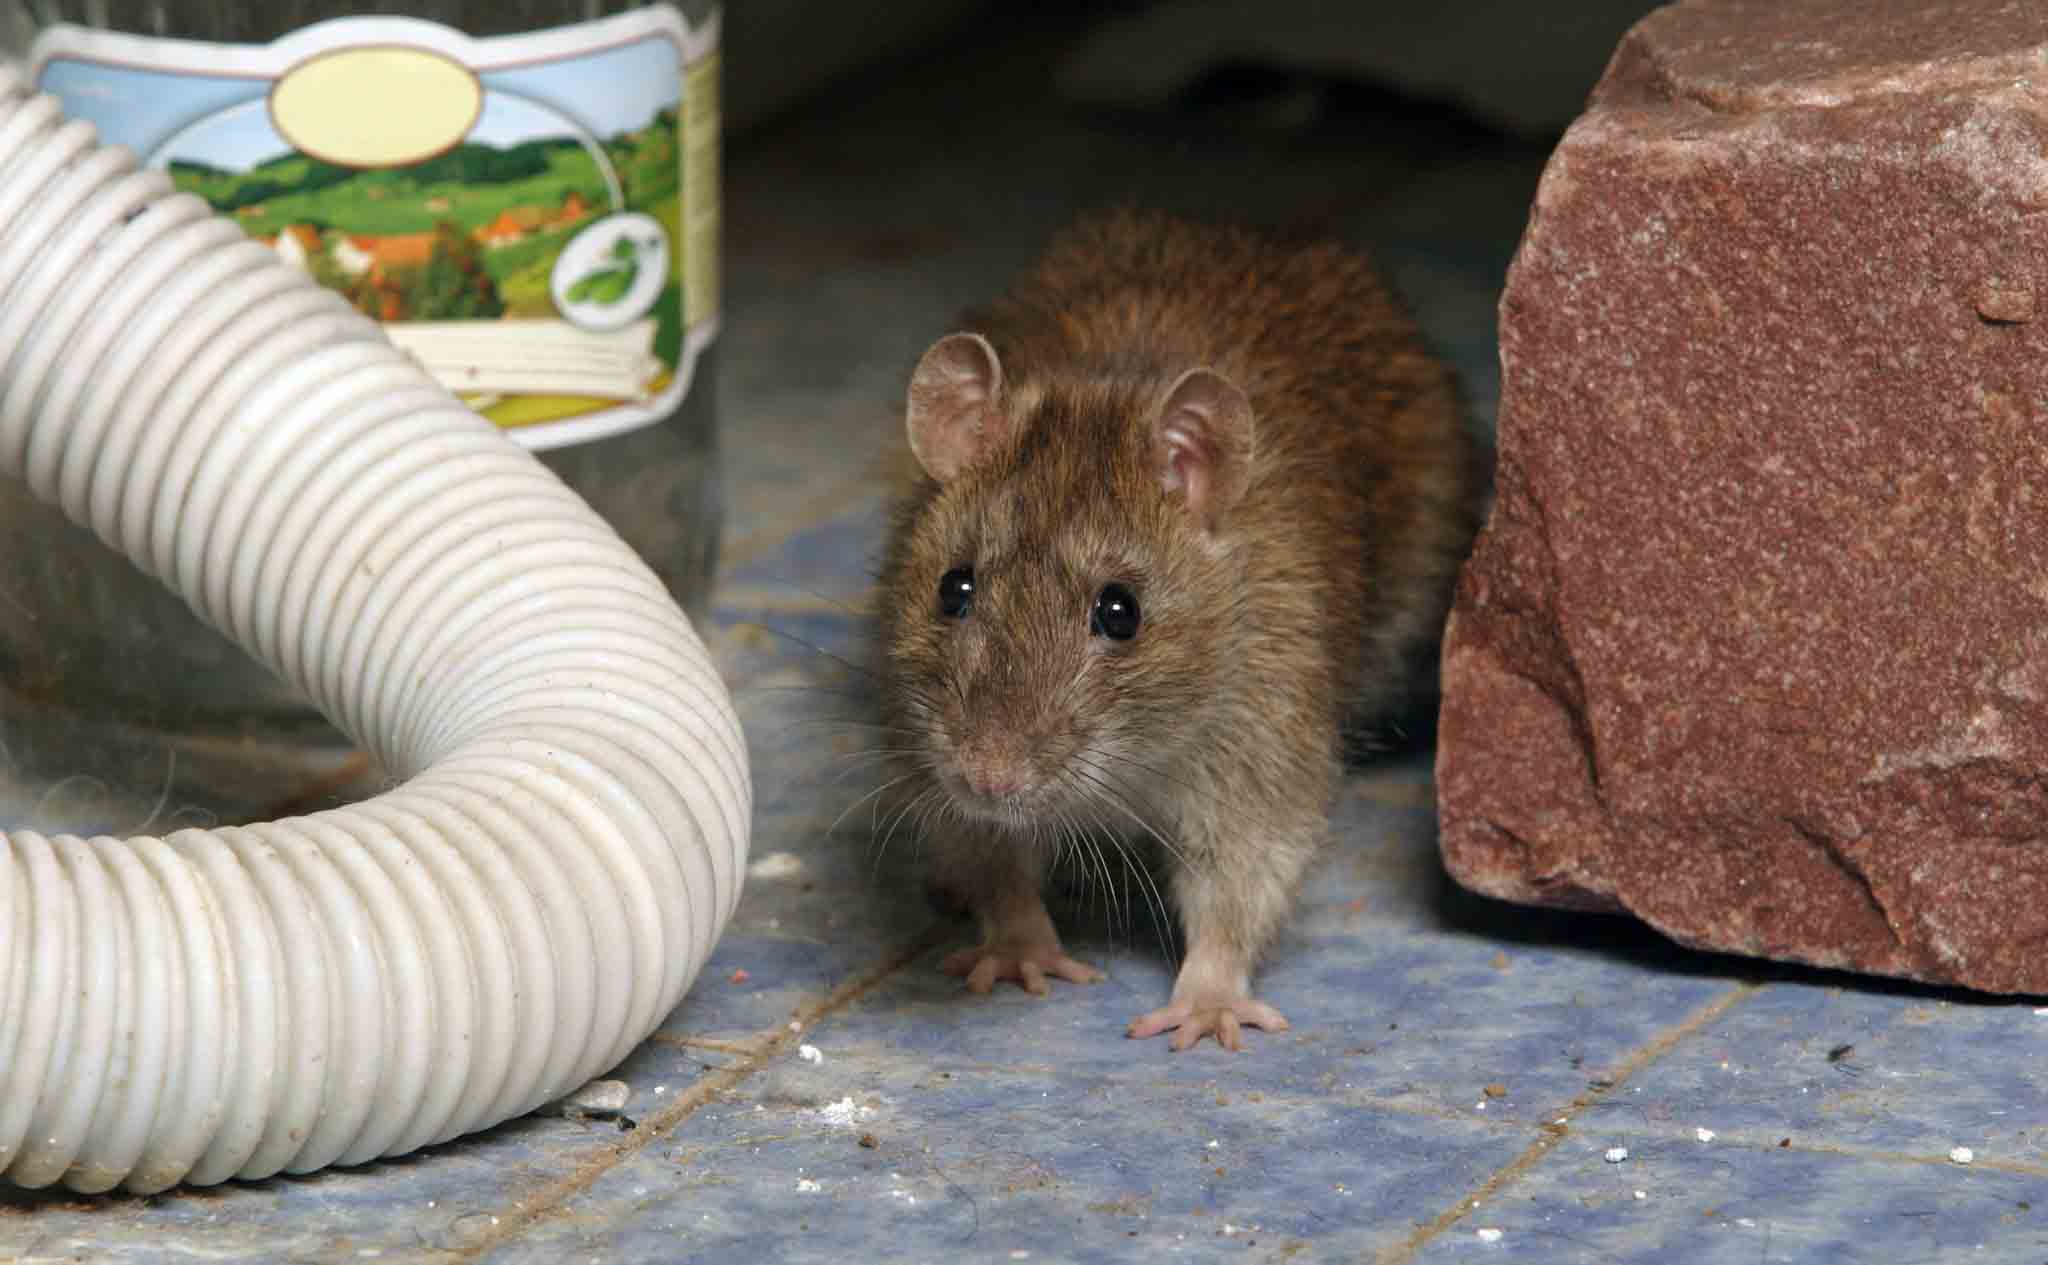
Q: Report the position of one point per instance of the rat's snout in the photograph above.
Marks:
(1003, 741)
(995, 767)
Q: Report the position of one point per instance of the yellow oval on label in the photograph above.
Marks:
(381, 106)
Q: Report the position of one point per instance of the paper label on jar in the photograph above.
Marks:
(533, 217)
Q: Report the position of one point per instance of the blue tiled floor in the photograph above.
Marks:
(1458, 1073)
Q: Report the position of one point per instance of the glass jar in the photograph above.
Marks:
(591, 225)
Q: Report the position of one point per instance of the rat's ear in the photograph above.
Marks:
(1202, 443)
(953, 417)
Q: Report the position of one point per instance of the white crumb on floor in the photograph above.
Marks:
(1615, 1154)
(1704, 1135)
(601, 1098)
(1962, 1154)
(1490, 1234)
(810, 1054)
(844, 1114)
(806, 1186)
(776, 865)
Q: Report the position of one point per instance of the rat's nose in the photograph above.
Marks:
(995, 784)
(994, 773)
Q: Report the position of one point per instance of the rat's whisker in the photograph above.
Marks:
(884, 788)
(1155, 771)
(1090, 865)
(865, 697)
(1118, 798)
(834, 722)
(883, 828)
(1147, 888)
(856, 761)
(859, 670)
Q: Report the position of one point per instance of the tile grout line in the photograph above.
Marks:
(1424, 1110)
(707, 1088)
(2017, 1167)
(1555, 1133)
(739, 1049)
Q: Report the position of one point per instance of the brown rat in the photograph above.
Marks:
(1194, 503)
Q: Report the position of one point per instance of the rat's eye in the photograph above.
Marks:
(1116, 613)
(956, 592)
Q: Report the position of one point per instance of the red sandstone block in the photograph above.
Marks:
(1755, 645)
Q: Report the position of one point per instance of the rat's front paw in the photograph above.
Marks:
(1026, 962)
(1194, 1017)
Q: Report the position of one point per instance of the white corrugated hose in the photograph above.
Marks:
(570, 835)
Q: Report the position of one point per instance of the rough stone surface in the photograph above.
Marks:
(1755, 646)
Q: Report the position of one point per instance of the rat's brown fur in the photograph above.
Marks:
(1314, 602)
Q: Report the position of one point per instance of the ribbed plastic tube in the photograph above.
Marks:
(570, 833)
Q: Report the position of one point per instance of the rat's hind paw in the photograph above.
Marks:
(1027, 964)
(1192, 1019)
